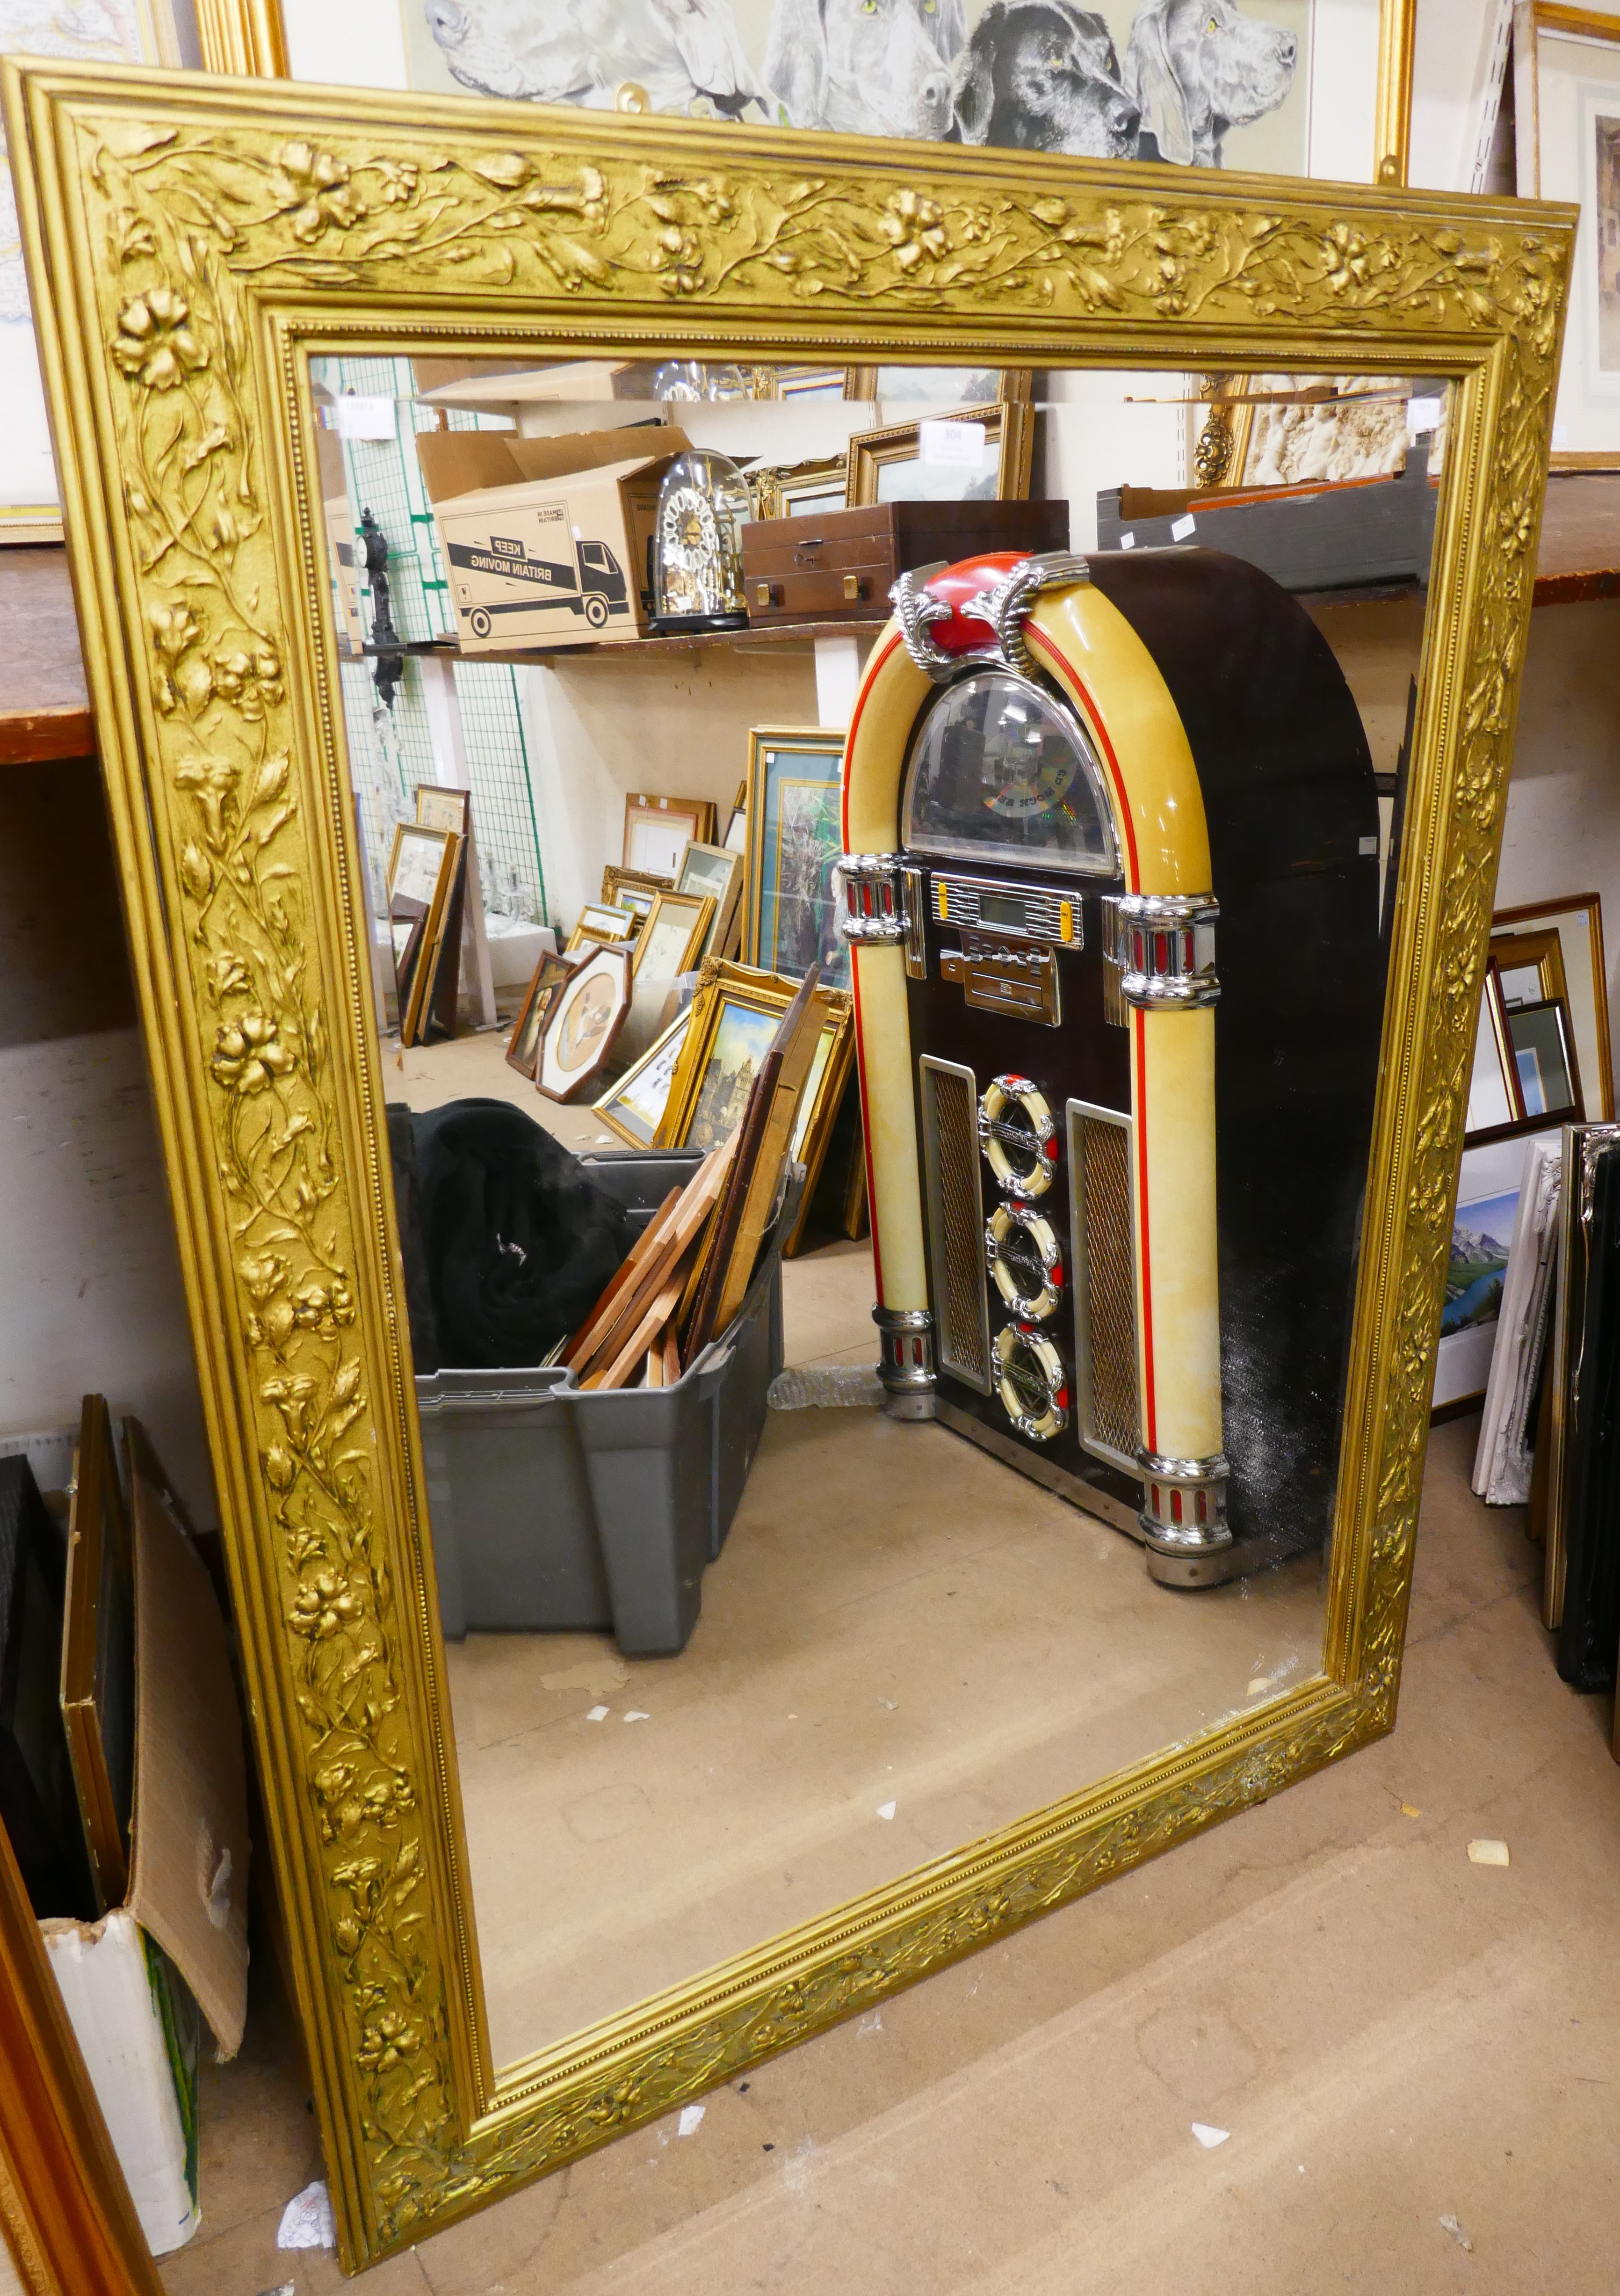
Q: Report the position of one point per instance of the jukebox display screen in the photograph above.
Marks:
(999, 766)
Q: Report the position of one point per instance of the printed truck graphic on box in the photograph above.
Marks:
(592, 584)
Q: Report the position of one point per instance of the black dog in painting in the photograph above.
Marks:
(1042, 75)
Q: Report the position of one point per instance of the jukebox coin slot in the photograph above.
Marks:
(994, 980)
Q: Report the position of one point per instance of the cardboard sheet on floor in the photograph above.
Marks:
(187, 1907)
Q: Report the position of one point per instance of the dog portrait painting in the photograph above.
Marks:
(1202, 83)
(1198, 69)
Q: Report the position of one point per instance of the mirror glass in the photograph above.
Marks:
(717, 1668)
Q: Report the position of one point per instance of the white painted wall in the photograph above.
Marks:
(89, 1271)
(90, 1292)
(1105, 429)
(669, 724)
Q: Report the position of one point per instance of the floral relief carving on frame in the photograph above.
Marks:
(196, 216)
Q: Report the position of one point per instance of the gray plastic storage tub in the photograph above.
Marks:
(552, 1509)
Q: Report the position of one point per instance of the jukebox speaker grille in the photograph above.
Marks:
(1105, 1282)
(956, 1220)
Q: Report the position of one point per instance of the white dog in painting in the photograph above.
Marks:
(686, 53)
(867, 67)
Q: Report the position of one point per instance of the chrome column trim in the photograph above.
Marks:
(1165, 945)
(873, 910)
(905, 1366)
(1184, 1503)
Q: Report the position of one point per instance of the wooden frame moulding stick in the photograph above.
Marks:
(69, 2221)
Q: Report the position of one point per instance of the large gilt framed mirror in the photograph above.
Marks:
(542, 1887)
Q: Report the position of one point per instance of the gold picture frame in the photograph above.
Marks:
(791, 489)
(151, 264)
(673, 938)
(597, 921)
(632, 888)
(754, 1000)
(1009, 430)
(832, 1065)
(634, 1106)
(1579, 36)
(717, 870)
(415, 880)
(248, 36)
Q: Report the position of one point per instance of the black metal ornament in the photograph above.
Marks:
(387, 644)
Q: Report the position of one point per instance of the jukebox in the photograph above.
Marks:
(1112, 897)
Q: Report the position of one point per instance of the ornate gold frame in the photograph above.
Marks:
(190, 241)
(1009, 427)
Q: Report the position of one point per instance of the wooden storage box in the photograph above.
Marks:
(830, 564)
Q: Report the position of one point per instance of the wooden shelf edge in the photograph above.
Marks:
(37, 737)
(1574, 589)
(638, 649)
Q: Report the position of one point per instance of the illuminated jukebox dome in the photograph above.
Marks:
(1112, 879)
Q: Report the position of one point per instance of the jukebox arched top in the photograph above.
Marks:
(1112, 884)
(1001, 769)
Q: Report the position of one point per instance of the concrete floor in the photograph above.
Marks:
(896, 1624)
(1392, 2036)
(942, 1641)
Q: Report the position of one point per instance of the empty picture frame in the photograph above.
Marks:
(582, 1023)
(718, 871)
(1579, 974)
(791, 489)
(38, 1796)
(980, 454)
(98, 1685)
(658, 831)
(1525, 1074)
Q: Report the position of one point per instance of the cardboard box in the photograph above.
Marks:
(134, 1981)
(546, 542)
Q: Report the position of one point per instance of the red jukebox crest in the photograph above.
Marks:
(1111, 887)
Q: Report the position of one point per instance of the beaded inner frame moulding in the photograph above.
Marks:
(192, 245)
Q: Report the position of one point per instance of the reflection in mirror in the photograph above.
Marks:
(717, 1668)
